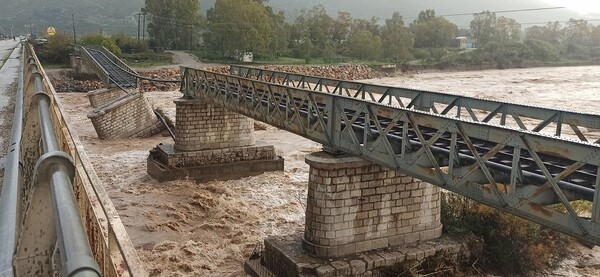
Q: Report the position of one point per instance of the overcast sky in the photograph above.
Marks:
(582, 6)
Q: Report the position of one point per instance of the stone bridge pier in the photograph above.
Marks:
(211, 143)
(360, 218)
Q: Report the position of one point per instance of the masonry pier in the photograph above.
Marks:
(360, 218)
(211, 143)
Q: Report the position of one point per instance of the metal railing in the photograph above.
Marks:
(92, 241)
(89, 60)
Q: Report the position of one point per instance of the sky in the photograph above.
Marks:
(582, 6)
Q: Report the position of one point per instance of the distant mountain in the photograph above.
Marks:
(90, 15)
(410, 9)
(114, 16)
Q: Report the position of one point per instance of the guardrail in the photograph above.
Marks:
(85, 216)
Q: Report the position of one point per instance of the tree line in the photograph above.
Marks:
(233, 27)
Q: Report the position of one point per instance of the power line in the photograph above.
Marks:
(508, 11)
(538, 23)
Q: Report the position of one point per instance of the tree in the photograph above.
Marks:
(312, 26)
(551, 33)
(365, 45)
(483, 27)
(432, 31)
(56, 50)
(507, 29)
(577, 32)
(340, 28)
(173, 24)
(397, 39)
(281, 31)
(239, 26)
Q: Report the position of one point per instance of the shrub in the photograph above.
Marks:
(542, 50)
(129, 44)
(56, 49)
(99, 39)
(512, 245)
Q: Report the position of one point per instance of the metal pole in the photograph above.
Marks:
(139, 18)
(144, 27)
(74, 35)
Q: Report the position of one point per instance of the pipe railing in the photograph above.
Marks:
(58, 167)
(40, 216)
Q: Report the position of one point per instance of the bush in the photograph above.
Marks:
(129, 44)
(512, 245)
(56, 49)
(542, 50)
(98, 39)
(420, 53)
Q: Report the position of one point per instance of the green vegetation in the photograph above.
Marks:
(147, 58)
(173, 24)
(55, 50)
(524, 247)
(99, 39)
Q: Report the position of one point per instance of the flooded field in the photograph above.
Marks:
(183, 228)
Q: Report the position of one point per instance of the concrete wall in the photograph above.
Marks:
(202, 126)
(355, 206)
(181, 159)
(130, 116)
(104, 96)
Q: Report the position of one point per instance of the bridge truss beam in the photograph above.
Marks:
(550, 121)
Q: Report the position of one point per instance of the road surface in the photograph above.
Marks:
(9, 67)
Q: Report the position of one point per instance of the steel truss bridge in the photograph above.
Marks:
(527, 160)
(500, 159)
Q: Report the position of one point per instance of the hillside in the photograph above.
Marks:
(410, 9)
(120, 16)
(90, 15)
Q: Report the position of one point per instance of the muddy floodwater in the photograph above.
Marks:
(183, 228)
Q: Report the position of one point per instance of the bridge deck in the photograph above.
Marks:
(117, 75)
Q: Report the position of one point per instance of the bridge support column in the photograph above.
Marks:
(211, 143)
(355, 206)
(360, 219)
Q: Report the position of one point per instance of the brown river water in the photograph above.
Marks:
(186, 229)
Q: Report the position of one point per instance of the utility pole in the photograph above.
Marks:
(74, 34)
(139, 18)
(30, 28)
(12, 34)
(144, 26)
